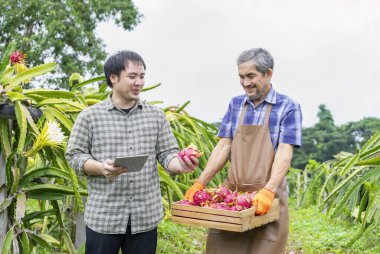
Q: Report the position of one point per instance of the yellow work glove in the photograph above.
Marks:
(263, 201)
(197, 186)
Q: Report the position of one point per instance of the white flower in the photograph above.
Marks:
(54, 134)
(51, 135)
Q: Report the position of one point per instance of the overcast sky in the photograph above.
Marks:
(325, 52)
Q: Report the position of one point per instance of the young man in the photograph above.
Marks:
(123, 209)
(258, 134)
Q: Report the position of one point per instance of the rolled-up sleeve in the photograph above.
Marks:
(167, 146)
(79, 145)
(291, 126)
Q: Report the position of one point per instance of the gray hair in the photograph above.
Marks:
(262, 59)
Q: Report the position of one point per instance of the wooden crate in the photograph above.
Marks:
(222, 219)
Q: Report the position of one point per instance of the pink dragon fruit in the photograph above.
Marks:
(231, 198)
(189, 151)
(222, 206)
(201, 198)
(244, 200)
(185, 202)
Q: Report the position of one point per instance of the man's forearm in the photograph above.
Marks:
(280, 166)
(92, 167)
(217, 160)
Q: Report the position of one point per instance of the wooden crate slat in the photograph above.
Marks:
(205, 216)
(207, 224)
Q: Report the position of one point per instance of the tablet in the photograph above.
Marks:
(133, 163)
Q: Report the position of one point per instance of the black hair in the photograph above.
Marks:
(116, 63)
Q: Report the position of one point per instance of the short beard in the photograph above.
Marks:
(255, 97)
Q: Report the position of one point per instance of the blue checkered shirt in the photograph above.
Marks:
(285, 121)
(102, 132)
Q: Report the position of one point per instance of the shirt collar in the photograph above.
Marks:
(109, 104)
(269, 98)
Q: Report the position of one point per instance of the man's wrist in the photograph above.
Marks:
(271, 187)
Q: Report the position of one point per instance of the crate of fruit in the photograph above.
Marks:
(222, 209)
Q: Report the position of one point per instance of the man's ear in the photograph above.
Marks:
(114, 78)
(269, 73)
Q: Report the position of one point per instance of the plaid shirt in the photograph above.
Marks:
(285, 121)
(102, 132)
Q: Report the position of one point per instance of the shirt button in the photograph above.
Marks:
(130, 148)
(129, 131)
(131, 181)
(131, 197)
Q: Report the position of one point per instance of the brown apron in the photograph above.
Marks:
(252, 157)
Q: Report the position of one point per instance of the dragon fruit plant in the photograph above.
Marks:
(222, 198)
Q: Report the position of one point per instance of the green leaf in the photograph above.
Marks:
(25, 245)
(52, 189)
(31, 73)
(182, 107)
(4, 62)
(15, 96)
(40, 241)
(38, 215)
(372, 161)
(87, 82)
(7, 242)
(22, 124)
(51, 240)
(58, 116)
(151, 87)
(61, 101)
(6, 76)
(47, 93)
(31, 123)
(68, 242)
(43, 172)
(5, 139)
(167, 180)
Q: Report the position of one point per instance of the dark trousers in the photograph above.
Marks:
(141, 243)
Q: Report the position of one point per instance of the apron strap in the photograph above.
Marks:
(243, 114)
(267, 114)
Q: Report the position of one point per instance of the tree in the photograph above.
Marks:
(324, 140)
(63, 31)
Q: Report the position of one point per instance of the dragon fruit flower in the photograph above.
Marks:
(17, 58)
(201, 198)
(189, 151)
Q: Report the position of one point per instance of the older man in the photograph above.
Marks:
(258, 133)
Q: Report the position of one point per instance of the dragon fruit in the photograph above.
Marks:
(222, 206)
(189, 151)
(244, 200)
(222, 198)
(185, 202)
(231, 198)
(201, 198)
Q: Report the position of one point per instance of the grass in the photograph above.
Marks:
(311, 232)
(176, 238)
